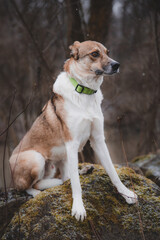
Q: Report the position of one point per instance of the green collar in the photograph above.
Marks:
(81, 89)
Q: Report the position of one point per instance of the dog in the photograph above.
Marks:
(70, 118)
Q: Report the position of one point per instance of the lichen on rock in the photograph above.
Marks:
(48, 215)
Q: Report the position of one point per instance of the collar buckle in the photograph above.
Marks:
(78, 88)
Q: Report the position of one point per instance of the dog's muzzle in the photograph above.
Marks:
(99, 72)
(111, 68)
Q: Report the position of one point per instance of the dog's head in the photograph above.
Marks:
(92, 58)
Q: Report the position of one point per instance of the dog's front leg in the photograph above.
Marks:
(99, 146)
(78, 209)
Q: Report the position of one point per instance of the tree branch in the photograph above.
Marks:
(38, 50)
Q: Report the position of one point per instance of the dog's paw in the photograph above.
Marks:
(79, 213)
(33, 192)
(78, 210)
(129, 196)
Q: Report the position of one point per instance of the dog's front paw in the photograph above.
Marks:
(129, 196)
(78, 210)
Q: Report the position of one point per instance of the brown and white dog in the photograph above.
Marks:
(67, 121)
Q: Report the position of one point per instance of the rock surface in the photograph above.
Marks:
(109, 217)
(9, 205)
(150, 166)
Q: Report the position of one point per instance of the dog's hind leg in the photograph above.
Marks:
(27, 168)
(47, 183)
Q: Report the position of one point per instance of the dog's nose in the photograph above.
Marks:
(115, 65)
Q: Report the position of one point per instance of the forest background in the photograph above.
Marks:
(34, 40)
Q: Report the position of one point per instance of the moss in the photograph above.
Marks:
(48, 215)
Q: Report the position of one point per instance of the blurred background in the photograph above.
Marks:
(34, 40)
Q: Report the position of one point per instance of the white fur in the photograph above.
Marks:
(48, 183)
(85, 121)
(33, 192)
(87, 79)
(58, 153)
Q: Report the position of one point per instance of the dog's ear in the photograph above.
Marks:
(75, 50)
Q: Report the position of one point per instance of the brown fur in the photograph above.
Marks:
(48, 130)
(67, 64)
(24, 170)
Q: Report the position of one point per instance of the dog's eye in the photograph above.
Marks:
(95, 54)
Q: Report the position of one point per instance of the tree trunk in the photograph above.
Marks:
(100, 13)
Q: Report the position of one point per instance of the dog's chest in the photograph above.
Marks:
(79, 122)
(83, 132)
(80, 131)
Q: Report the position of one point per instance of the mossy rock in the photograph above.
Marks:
(8, 207)
(48, 215)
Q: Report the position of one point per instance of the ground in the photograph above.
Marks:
(48, 215)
